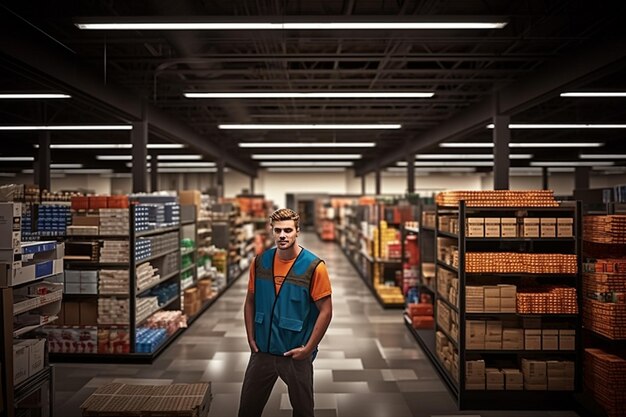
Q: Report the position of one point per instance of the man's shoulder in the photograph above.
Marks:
(312, 254)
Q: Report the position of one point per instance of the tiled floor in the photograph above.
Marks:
(368, 365)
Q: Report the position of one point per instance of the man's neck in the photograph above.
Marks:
(290, 253)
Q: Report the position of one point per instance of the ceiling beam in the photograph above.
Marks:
(67, 72)
(588, 63)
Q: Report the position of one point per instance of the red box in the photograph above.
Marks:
(97, 202)
(117, 201)
(80, 203)
(421, 309)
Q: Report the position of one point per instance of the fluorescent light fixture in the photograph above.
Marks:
(179, 157)
(594, 94)
(602, 156)
(307, 156)
(470, 156)
(165, 146)
(614, 168)
(571, 163)
(433, 169)
(17, 158)
(66, 165)
(537, 170)
(307, 145)
(448, 163)
(7, 174)
(308, 126)
(69, 127)
(120, 175)
(33, 96)
(186, 164)
(398, 25)
(117, 157)
(187, 170)
(562, 126)
(307, 164)
(524, 145)
(316, 94)
(73, 171)
(89, 146)
(304, 169)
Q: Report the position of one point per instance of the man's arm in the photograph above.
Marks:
(248, 316)
(325, 307)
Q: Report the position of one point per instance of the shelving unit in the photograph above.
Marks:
(459, 327)
(604, 309)
(30, 297)
(109, 312)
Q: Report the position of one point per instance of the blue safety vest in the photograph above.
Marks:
(284, 321)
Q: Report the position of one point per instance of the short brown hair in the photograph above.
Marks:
(285, 214)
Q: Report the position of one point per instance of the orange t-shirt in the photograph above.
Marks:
(321, 280)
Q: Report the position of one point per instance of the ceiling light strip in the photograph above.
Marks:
(305, 169)
(328, 94)
(69, 127)
(594, 94)
(307, 145)
(32, 96)
(563, 126)
(307, 156)
(470, 156)
(307, 126)
(523, 145)
(307, 164)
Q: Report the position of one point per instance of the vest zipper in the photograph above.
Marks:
(269, 338)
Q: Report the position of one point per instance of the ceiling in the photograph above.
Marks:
(547, 47)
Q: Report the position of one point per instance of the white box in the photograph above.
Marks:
(37, 355)
(21, 361)
(530, 227)
(548, 227)
(10, 223)
(508, 227)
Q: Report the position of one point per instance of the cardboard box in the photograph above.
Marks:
(21, 361)
(530, 227)
(548, 227)
(492, 227)
(532, 339)
(88, 313)
(10, 226)
(560, 369)
(507, 291)
(71, 313)
(85, 220)
(534, 370)
(89, 277)
(491, 291)
(561, 384)
(492, 304)
(494, 379)
(508, 227)
(513, 339)
(513, 379)
(550, 339)
(508, 305)
(565, 227)
(475, 227)
(567, 339)
(37, 358)
(475, 334)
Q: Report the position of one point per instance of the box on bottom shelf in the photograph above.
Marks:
(181, 400)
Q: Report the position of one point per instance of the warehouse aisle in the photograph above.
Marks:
(368, 365)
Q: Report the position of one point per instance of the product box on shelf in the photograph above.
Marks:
(565, 227)
(513, 379)
(530, 227)
(550, 339)
(37, 357)
(508, 227)
(493, 335)
(535, 375)
(532, 339)
(494, 379)
(475, 227)
(492, 227)
(475, 334)
(548, 227)
(567, 339)
(21, 360)
(10, 226)
(513, 339)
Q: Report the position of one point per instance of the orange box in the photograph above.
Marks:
(117, 201)
(421, 309)
(423, 322)
(97, 202)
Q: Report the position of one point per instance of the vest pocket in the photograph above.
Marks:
(258, 317)
(290, 324)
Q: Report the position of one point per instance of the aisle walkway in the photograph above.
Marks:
(368, 366)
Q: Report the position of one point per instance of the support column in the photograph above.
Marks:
(251, 185)
(43, 161)
(544, 178)
(501, 139)
(581, 177)
(154, 172)
(363, 184)
(139, 140)
(220, 178)
(377, 190)
(410, 174)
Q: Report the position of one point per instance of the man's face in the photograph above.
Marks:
(285, 234)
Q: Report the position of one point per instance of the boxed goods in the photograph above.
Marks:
(475, 227)
(495, 379)
(530, 227)
(532, 339)
(535, 375)
(513, 339)
(513, 379)
(567, 339)
(548, 227)
(493, 335)
(550, 339)
(475, 375)
(565, 227)
(492, 227)
(475, 334)
(21, 358)
(474, 299)
(498, 198)
(508, 227)
(423, 322)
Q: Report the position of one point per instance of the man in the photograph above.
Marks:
(287, 311)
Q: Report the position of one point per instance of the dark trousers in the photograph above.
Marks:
(261, 374)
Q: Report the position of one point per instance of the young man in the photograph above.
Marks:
(287, 311)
